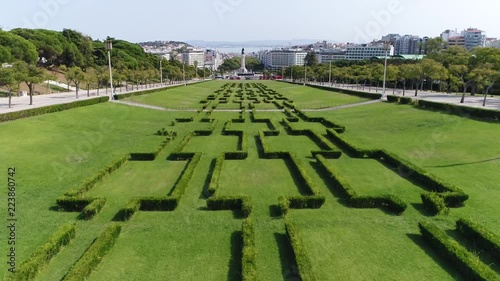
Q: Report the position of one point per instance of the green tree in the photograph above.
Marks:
(90, 79)
(10, 79)
(76, 76)
(311, 59)
(406, 73)
(14, 47)
(29, 74)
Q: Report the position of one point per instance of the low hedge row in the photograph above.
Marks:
(391, 98)
(159, 204)
(151, 156)
(268, 154)
(249, 255)
(405, 100)
(327, 123)
(300, 202)
(187, 174)
(94, 254)
(351, 149)
(126, 213)
(278, 105)
(349, 92)
(241, 203)
(209, 131)
(90, 183)
(49, 109)
(184, 120)
(303, 176)
(177, 154)
(390, 203)
(462, 259)
(479, 113)
(452, 195)
(73, 204)
(434, 203)
(328, 154)
(214, 180)
(28, 269)
(481, 236)
(146, 92)
(299, 249)
(93, 208)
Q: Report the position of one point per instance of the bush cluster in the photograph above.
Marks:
(392, 98)
(300, 202)
(434, 203)
(479, 113)
(94, 254)
(214, 180)
(28, 269)
(466, 262)
(93, 208)
(49, 109)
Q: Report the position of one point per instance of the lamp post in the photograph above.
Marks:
(386, 47)
(161, 72)
(305, 72)
(291, 73)
(109, 47)
(330, 76)
(184, 74)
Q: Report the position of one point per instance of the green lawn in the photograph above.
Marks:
(57, 152)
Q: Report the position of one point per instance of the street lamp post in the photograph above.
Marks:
(386, 47)
(305, 72)
(184, 74)
(330, 76)
(109, 47)
(291, 73)
(161, 72)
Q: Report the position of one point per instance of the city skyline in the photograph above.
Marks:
(361, 21)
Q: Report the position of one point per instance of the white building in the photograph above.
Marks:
(368, 51)
(279, 58)
(213, 59)
(194, 57)
(447, 34)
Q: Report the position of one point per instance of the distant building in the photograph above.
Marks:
(368, 51)
(474, 38)
(279, 58)
(456, 41)
(493, 43)
(213, 59)
(447, 34)
(406, 44)
(193, 56)
(326, 56)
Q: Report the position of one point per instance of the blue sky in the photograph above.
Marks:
(247, 20)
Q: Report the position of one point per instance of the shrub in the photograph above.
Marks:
(49, 109)
(306, 202)
(303, 177)
(241, 203)
(405, 100)
(328, 154)
(94, 254)
(93, 208)
(349, 92)
(184, 120)
(391, 98)
(299, 250)
(248, 261)
(335, 177)
(434, 203)
(284, 205)
(481, 236)
(177, 153)
(344, 144)
(187, 174)
(466, 262)
(28, 269)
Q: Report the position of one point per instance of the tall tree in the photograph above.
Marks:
(10, 79)
(76, 76)
(311, 59)
(14, 47)
(29, 74)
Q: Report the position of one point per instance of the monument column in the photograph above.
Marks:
(243, 62)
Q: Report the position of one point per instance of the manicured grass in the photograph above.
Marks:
(57, 152)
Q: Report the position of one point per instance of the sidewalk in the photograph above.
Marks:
(492, 103)
(22, 103)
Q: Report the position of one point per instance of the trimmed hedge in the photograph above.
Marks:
(335, 177)
(49, 109)
(94, 254)
(328, 154)
(28, 269)
(132, 207)
(349, 92)
(452, 195)
(90, 183)
(184, 120)
(300, 202)
(351, 149)
(248, 259)
(208, 131)
(405, 100)
(481, 236)
(214, 180)
(389, 203)
(434, 203)
(159, 204)
(140, 93)
(463, 260)
(241, 203)
(73, 204)
(93, 208)
(152, 155)
(187, 174)
(303, 262)
(302, 175)
(391, 98)
(177, 154)
(462, 111)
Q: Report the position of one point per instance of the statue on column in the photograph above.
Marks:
(243, 51)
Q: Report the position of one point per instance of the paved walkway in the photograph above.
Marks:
(343, 106)
(453, 98)
(136, 104)
(22, 103)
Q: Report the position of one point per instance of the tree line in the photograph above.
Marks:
(82, 60)
(452, 69)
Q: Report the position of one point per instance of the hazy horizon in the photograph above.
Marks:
(358, 21)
